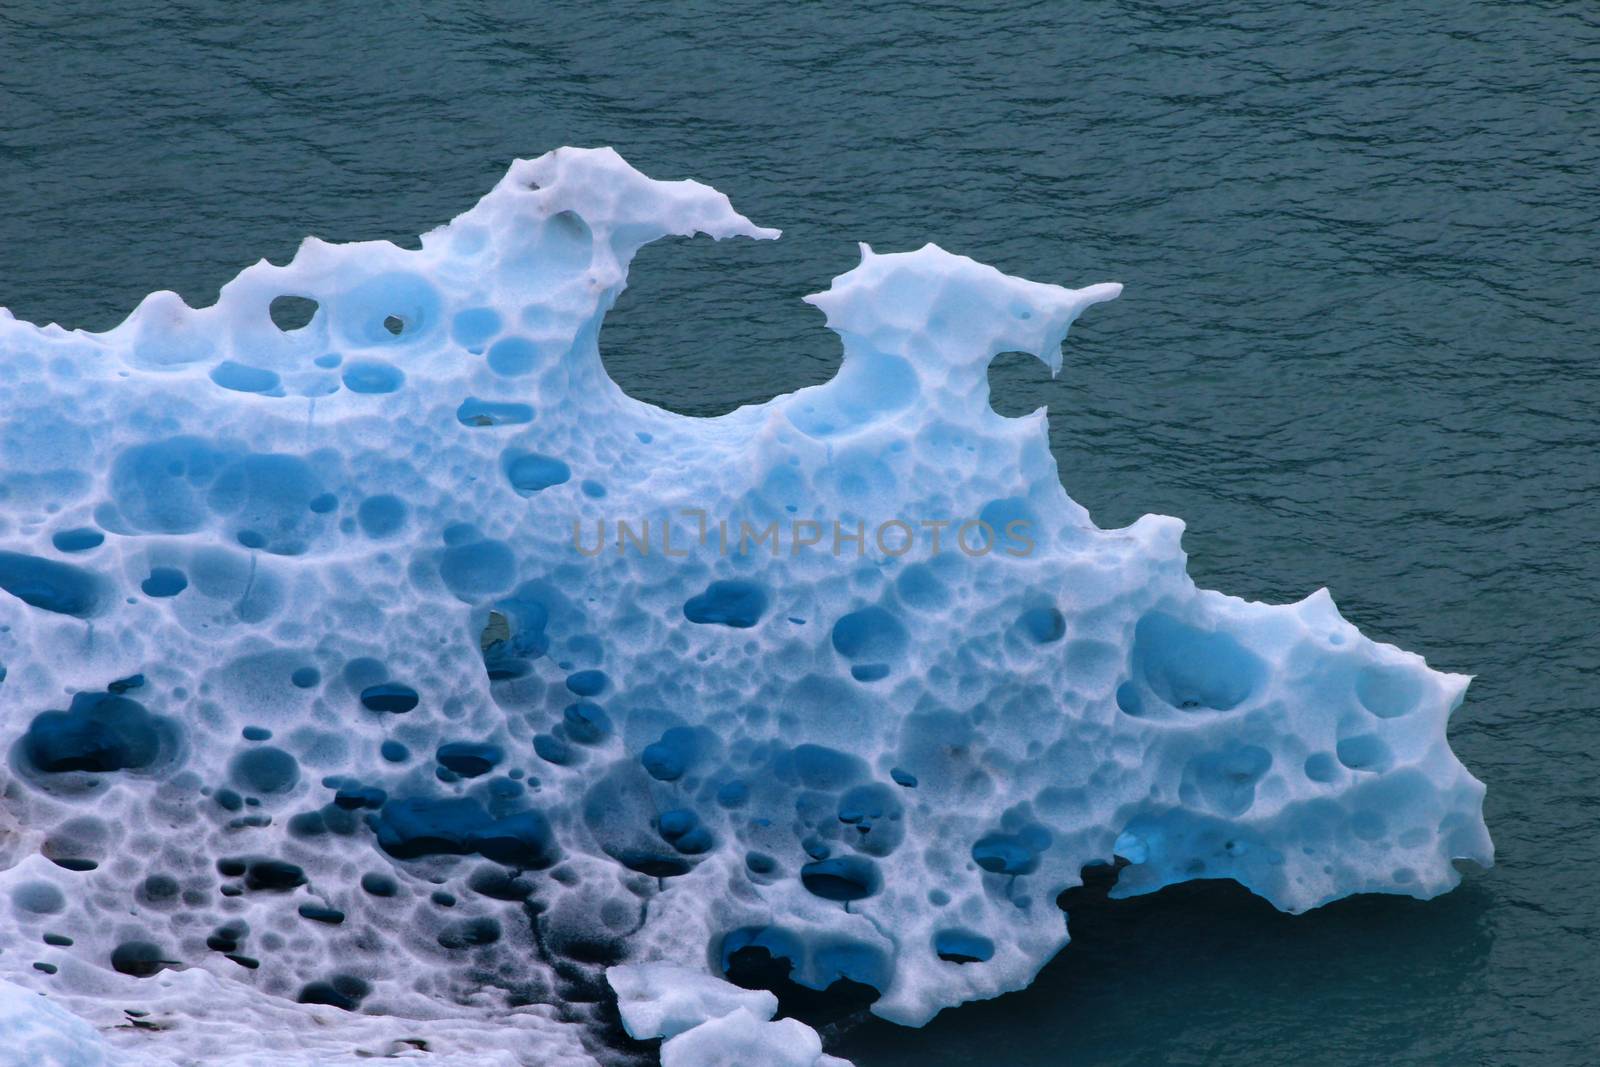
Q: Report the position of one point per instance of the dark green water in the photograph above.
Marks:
(1358, 348)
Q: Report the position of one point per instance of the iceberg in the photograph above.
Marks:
(369, 657)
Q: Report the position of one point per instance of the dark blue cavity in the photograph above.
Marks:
(305, 677)
(669, 758)
(586, 723)
(474, 412)
(871, 638)
(1011, 853)
(820, 767)
(49, 585)
(552, 749)
(733, 794)
(99, 732)
(842, 878)
(77, 539)
(391, 697)
(469, 759)
(1044, 625)
(732, 602)
(420, 826)
(681, 828)
(379, 885)
(264, 770)
(164, 582)
(531, 472)
(962, 946)
(587, 683)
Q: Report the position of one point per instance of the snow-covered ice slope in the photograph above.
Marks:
(399, 664)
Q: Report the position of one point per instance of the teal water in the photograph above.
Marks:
(1357, 349)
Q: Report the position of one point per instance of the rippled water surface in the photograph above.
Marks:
(1358, 348)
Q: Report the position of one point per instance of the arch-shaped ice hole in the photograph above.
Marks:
(291, 312)
(1014, 384)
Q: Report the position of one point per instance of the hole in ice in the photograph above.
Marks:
(159, 891)
(381, 516)
(39, 898)
(587, 683)
(78, 844)
(1015, 381)
(48, 585)
(372, 377)
(78, 539)
(139, 959)
(379, 885)
(292, 312)
(552, 749)
(1389, 691)
(264, 770)
(244, 379)
(871, 638)
(875, 815)
(1364, 752)
(1226, 778)
(513, 357)
(98, 733)
(962, 946)
(469, 759)
(414, 827)
(475, 412)
(497, 883)
(1320, 767)
(681, 828)
(369, 313)
(1004, 856)
(262, 874)
(531, 472)
(735, 603)
(473, 566)
(1044, 625)
(391, 697)
(842, 878)
(341, 991)
(1193, 669)
(586, 723)
(822, 984)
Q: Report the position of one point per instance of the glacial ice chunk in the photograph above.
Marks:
(374, 659)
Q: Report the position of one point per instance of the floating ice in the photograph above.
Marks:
(367, 654)
(708, 1022)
